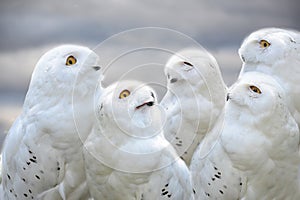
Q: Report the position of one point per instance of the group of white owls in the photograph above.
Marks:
(77, 140)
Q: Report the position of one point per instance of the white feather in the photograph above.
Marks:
(42, 155)
(126, 155)
(194, 100)
(281, 60)
(254, 146)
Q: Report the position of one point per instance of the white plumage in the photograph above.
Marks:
(260, 138)
(195, 98)
(212, 172)
(265, 143)
(42, 153)
(275, 52)
(126, 155)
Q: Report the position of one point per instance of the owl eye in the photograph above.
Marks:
(124, 94)
(255, 89)
(264, 44)
(71, 60)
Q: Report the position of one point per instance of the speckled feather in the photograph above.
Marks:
(212, 172)
(42, 156)
(126, 155)
(261, 138)
(195, 97)
(254, 146)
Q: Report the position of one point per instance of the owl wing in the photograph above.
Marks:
(212, 172)
(171, 182)
(29, 167)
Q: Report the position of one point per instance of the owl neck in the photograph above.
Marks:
(123, 129)
(235, 114)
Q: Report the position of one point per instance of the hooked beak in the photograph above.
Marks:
(96, 68)
(228, 96)
(149, 103)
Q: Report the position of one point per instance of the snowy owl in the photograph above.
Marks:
(42, 154)
(275, 52)
(258, 140)
(195, 98)
(126, 154)
(261, 138)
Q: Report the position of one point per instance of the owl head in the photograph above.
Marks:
(269, 45)
(257, 96)
(131, 106)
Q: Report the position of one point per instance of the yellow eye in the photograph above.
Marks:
(71, 60)
(124, 94)
(264, 44)
(255, 89)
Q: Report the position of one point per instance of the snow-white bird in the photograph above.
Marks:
(260, 138)
(42, 153)
(194, 99)
(126, 155)
(275, 52)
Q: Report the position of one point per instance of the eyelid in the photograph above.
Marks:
(187, 63)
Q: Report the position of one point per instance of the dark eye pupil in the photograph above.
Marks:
(70, 62)
(265, 45)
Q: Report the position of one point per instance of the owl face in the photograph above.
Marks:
(134, 97)
(252, 96)
(179, 70)
(62, 66)
(68, 59)
(190, 66)
(256, 93)
(128, 102)
(266, 46)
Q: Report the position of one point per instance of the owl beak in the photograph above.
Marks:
(228, 96)
(150, 103)
(173, 80)
(147, 102)
(96, 68)
(243, 58)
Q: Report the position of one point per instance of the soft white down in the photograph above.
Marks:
(126, 155)
(42, 153)
(194, 99)
(275, 52)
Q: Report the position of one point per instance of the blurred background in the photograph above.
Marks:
(30, 28)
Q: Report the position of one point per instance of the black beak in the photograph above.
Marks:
(173, 80)
(96, 68)
(227, 97)
(151, 103)
(243, 58)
